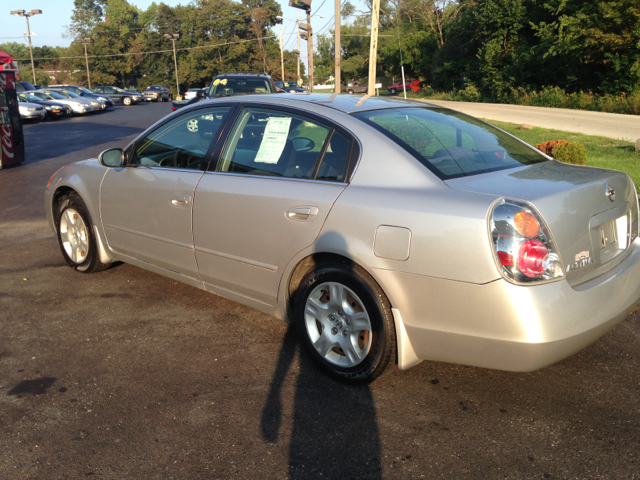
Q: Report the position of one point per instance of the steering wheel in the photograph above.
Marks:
(170, 160)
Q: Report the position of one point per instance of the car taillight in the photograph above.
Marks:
(523, 247)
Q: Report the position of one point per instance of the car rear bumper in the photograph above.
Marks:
(504, 326)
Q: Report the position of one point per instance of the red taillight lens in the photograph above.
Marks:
(530, 257)
(506, 259)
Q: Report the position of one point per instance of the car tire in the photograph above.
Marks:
(353, 337)
(76, 236)
(126, 101)
(393, 90)
(350, 92)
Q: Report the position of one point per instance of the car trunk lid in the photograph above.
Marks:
(588, 210)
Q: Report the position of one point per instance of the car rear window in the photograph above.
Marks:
(451, 144)
(239, 86)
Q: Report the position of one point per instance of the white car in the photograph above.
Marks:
(191, 93)
(31, 111)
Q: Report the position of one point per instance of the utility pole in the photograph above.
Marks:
(373, 50)
(26, 14)
(310, 49)
(298, 29)
(85, 42)
(282, 54)
(338, 53)
(173, 39)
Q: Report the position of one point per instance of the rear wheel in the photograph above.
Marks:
(126, 101)
(344, 320)
(76, 237)
(350, 91)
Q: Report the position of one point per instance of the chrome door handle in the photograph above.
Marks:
(180, 200)
(302, 213)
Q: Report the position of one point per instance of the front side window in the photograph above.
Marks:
(183, 142)
(282, 144)
(449, 143)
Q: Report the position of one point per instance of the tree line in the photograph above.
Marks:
(484, 48)
(216, 36)
(491, 48)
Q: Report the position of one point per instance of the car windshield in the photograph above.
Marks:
(58, 95)
(28, 98)
(449, 143)
(238, 86)
(71, 94)
(85, 90)
(118, 90)
(287, 84)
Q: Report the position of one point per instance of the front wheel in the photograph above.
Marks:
(126, 101)
(344, 320)
(350, 92)
(76, 237)
(393, 90)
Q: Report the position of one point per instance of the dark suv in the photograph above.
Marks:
(118, 95)
(157, 93)
(230, 84)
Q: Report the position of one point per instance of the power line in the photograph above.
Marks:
(149, 53)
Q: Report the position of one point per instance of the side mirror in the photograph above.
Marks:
(113, 157)
(200, 93)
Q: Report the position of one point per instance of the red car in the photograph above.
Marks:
(409, 84)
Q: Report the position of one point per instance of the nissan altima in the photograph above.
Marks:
(387, 230)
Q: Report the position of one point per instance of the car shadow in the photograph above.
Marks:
(335, 428)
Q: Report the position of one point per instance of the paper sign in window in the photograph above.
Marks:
(273, 140)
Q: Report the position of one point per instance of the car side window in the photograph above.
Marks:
(267, 142)
(99, 90)
(183, 142)
(334, 162)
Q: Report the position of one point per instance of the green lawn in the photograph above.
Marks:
(601, 151)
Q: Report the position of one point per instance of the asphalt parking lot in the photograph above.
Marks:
(125, 374)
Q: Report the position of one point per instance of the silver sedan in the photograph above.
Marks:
(387, 230)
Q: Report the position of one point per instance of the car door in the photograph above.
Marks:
(146, 206)
(275, 181)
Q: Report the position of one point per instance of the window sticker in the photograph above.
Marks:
(274, 139)
(216, 81)
(286, 84)
(223, 81)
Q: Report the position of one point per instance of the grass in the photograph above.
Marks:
(601, 151)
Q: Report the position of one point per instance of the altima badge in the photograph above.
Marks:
(610, 192)
(582, 259)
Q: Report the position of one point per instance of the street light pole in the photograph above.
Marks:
(298, 29)
(26, 14)
(338, 51)
(373, 50)
(173, 39)
(85, 41)
(310, 50)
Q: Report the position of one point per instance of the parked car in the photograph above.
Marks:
(53, 110)
(77, 105)
(157, 93)
(355, 87)
(400, 87)
(192, 92)
(30, 111)
(85, 93)
(387, 230)
(289, 87)
(229, 84)
(118, 95)
(24, 87)
(95, 100)
(199, 96)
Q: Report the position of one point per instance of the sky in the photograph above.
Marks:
(48, 28)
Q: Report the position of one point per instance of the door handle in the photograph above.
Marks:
(302, 213)
(180, 200)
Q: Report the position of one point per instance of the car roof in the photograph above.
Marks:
(242, 75)
(342, 102)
